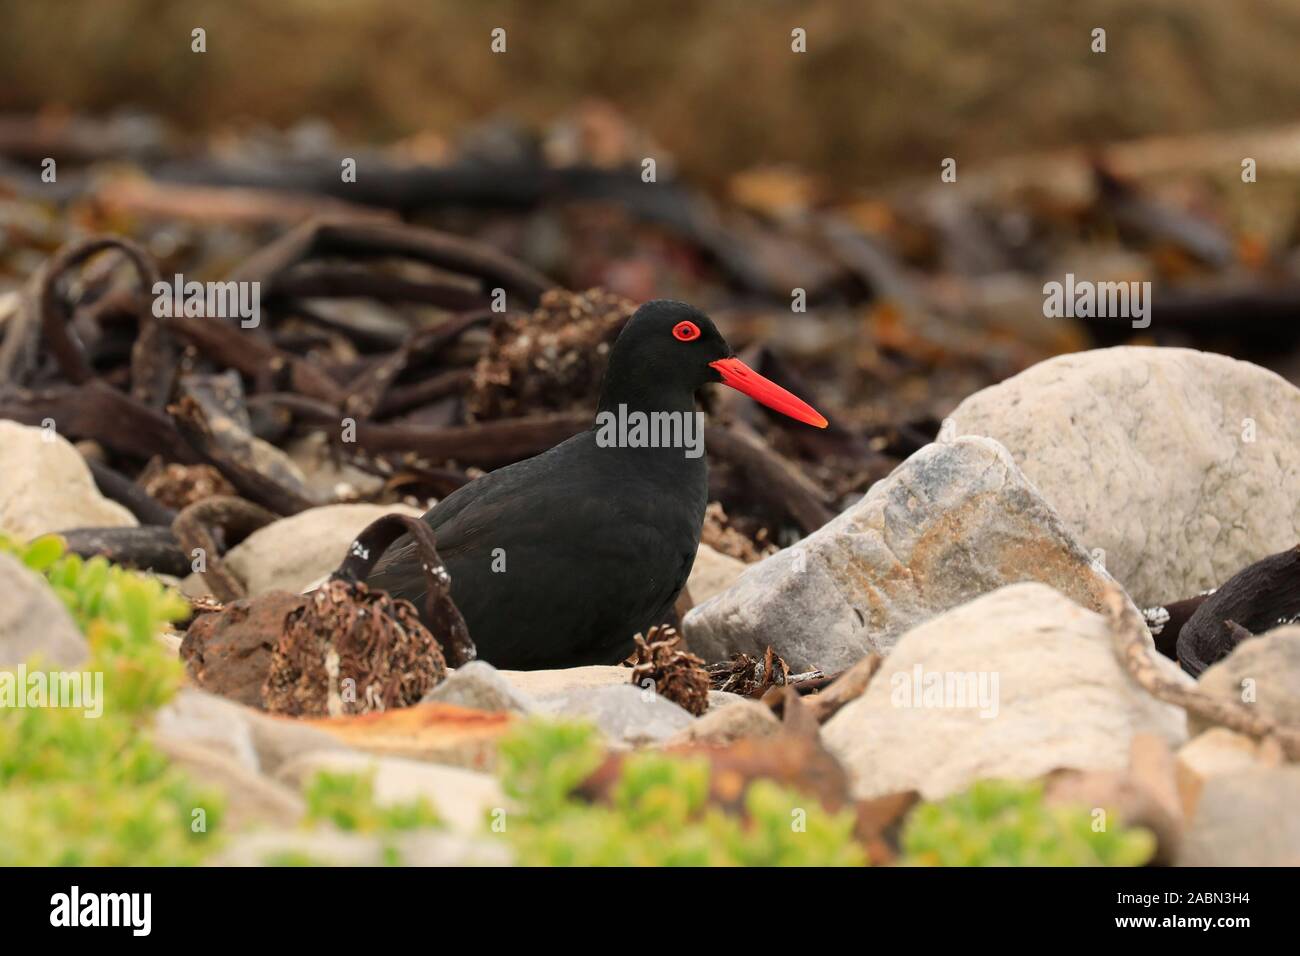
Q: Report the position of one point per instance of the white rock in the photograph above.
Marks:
(1219, 750)
(1247, 818)
(462, 798)
(1043, 691)
(294, 552)
(712, 573)
(544, 683)
(45, 485)
(1182, 466)
(744, 718)
(954, 521)
(1263, 672)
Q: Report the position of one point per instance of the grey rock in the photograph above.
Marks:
(275, 739)
(625, 714)
(745, 718)
(712, 573)
(481, 686)
(723, 698)
(1144, 452)
(45, 485)
(1263, 672)
(1246, 818)
(211, 728)
(33, 622)
(1040, 689)
(248, 799)
(954, 521)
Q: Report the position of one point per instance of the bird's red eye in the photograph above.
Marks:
(686, 331)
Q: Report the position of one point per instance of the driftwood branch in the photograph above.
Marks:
(1131, 648)
(195, 529)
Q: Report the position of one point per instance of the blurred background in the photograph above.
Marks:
(884, 92)
(797, 196)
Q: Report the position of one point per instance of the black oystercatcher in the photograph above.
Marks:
(559, 560)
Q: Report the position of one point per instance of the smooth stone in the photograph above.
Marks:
(954, 521)
(712, 573)
(536, 684)
(34, 624)
(1183, 467)
(46, 486)
(1263, 673)
(745, 718)
(249, 799)
(624, 714)
(1219, 750)
(1246, 818)
(275, 740)
(463, 798)
(480, 685)
(1061, 700)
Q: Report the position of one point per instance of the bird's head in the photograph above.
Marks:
(670, 349)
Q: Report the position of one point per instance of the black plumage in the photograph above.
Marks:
(561, 559)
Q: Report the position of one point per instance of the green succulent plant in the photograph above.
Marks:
(658, 812)
(1008, 823)
(80, 790)
(347, 801)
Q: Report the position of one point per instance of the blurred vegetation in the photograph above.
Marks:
(1007, 823)
(658, 813)
(885, 90)
(347, 801)
(81, 791)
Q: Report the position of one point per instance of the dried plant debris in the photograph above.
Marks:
(176, 485)
(750, 676)
(350, 650)
(550, 360)
(721, 535)
(676, 673)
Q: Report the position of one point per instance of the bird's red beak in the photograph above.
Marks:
(741, 377)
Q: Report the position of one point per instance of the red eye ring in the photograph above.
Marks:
(686, 331)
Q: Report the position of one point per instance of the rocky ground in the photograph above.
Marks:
(997, 552)
(1001, 563)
